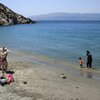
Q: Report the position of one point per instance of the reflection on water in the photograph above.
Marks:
(81, 71)
(86, 72)
(89, 73)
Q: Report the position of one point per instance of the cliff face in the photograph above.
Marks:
(8, 17)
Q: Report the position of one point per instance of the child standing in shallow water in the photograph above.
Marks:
(80, 61)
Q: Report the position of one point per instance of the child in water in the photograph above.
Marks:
(80, 61)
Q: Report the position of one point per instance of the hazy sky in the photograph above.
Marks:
(37, 7)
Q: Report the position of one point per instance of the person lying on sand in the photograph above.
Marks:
(6, 79)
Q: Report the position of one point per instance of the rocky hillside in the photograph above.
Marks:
(8, 17)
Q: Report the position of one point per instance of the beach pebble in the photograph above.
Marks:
(77, 99)
(24, 82)
(77, 87)
(63, 76)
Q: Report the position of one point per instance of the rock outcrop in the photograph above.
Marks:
(8, 17)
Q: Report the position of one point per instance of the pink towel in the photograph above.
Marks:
(10, 78)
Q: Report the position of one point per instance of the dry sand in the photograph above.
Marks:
(41, 81)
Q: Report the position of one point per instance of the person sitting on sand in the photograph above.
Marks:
(6, 79)
(80, 61)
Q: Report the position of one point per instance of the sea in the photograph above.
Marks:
(60, 40)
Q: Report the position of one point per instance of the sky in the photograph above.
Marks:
(38, 7)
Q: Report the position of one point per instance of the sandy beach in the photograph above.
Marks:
(39, 78)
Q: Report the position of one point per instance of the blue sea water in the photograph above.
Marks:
(63, 40)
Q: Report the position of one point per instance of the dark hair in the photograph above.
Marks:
(80, 58)
(4, 48)
(88, 51)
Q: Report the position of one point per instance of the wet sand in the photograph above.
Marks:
(38, 78)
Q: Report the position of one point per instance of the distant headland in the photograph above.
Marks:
(8, 17)
(68, 16)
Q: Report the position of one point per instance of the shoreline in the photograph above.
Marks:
(66, 66)
(44, 82)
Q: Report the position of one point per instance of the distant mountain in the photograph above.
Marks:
(67, 16)
(8, 17)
